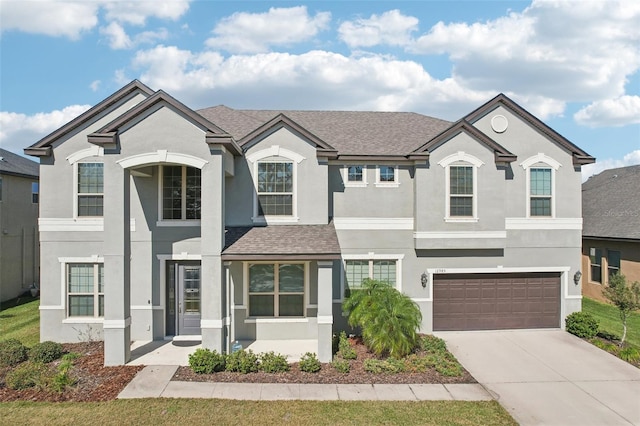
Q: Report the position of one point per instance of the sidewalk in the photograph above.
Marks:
(154, 381)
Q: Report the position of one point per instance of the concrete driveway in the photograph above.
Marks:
(550, 377)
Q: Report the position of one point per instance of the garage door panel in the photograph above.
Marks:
(496, 301)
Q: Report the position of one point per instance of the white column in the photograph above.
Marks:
(325, 310)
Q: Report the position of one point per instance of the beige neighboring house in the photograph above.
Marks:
(19, 244)
(611, 230)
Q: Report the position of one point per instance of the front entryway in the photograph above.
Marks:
(183, 298)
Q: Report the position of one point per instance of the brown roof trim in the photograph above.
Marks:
(261, 257)
(617, 239)
(39, 152)
(133, 87)
(279, 121)
(462, 126)
(108, 133)
(374, 158)
(17, 174)
(579, 156)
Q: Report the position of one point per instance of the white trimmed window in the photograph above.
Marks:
(85, 289)
(180, 193)
(387, 176)
(275, 188)
(355, 175)
(376, 267)
(276, 289)
(540, 174)
(90, 189)
(461, 176)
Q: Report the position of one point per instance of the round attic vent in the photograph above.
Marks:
(499, 123)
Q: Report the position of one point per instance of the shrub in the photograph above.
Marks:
(607, 335)
(345, 350)
(242, 361)
(630, 354)
(70, 357)
(12, 352)
(341, 365)
(447, 365)
(604, 345)
(433, 344)
(204, 361)
(271, 362)
(389, 366)
(27, 375)
(582, 324)
(389, 319)
(309, 363)
(46, 352)
(419, 364)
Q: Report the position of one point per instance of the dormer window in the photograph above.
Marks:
(540, 174)
(275, 188)
(461, 176)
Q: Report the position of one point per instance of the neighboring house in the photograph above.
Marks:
(158, 220)
(611, 230)
(19, 251)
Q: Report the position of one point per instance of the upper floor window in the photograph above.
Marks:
(355, 175)
(275, 188)
(461, 171)
(387, 176)
(181, 191)
(90, 189)
(85, 289)
(540, 174)
(595, 259)
(613, 262)
(540, 192)
(35, 192)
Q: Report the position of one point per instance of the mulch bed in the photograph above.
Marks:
(327, 375)
(95, 381)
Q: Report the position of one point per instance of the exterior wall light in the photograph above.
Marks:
(576, 277)
(424, 279)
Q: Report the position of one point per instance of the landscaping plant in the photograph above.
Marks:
(205, 361)
(309, 363)
(271, 362)
(46, 352)
(389, 320)
(242, 361)
(345, 350)
(626, 297)
(582, 324)
(12, 352)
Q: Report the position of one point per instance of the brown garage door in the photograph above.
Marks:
(496, 301)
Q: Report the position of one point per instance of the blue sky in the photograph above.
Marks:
(576, 65)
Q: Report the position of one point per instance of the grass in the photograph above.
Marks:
(20, 319)
(609, 320)
(226, 412)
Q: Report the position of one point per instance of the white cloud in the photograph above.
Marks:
(18, 131)
(315, 79)
(95, 85)
(118, 38)
(245, 32)
(53, 18)
(610, 112)
(392, 28)
(73, 18)
(630, 159)
(562, 50)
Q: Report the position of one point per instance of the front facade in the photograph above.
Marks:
(611, 232)
(19, 251)
(157, 220)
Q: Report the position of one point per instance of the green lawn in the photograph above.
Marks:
(226, 412)
(20, 319)
(609, 319)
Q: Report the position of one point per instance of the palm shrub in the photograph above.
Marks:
(389, 320)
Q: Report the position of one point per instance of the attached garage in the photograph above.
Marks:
(496, 301)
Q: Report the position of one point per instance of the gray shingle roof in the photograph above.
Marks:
(350, 132)
(310, 241)
(13, 164)
(611, 204)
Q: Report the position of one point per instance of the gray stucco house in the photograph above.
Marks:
(158, 220)
(19, 251)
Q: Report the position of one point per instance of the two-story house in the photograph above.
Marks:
(158, 220)
(19, 251)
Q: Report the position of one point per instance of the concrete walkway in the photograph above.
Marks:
(155, 381)
(550, 377)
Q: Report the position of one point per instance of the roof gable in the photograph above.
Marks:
(214, 135)
(13, 164)
(282, 121)
(501, 154)
(43, 146)
(580, 157)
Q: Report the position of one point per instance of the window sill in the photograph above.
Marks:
(278, 320)
(355, 184)
(83, 320)
(262, 220)
(387, 184)
(177, 223)
(461, 219)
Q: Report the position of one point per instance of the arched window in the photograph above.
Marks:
(461, 176)
(540, 174)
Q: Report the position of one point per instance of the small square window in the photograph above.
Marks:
(355, 174)
(387, 174)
